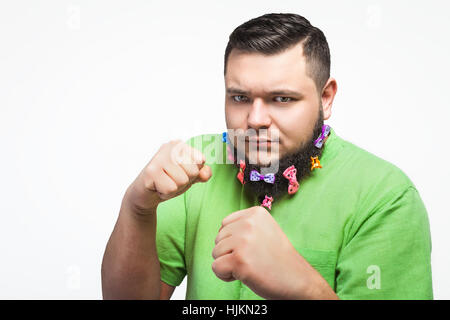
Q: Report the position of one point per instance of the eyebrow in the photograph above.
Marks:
(278, 92)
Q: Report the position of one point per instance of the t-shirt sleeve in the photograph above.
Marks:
(170, 239)
(388, 253)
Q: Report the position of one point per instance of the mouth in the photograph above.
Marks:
(260, 141)
(262, 145)
(265, 143)
(257, 140)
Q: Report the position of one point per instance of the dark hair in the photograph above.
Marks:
(275, 32)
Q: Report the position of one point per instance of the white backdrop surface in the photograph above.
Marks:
(89, 90)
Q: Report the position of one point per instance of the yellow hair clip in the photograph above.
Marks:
(315, 163)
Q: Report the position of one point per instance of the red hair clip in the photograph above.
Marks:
(267, 202)
(240, 175)
(291, 174)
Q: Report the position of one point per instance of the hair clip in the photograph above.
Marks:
(321, 139)
(256, 176)
(225, 138)
(240, 175)
(267, 202)
(315, 163)
(291, 174)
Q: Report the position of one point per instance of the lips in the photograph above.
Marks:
(258, 140)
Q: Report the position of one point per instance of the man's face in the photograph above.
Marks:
(271, 92)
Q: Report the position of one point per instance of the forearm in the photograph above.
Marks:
(130, 267)
(318, 289)
(314, 286)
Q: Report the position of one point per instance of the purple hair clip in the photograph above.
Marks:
(256, 176)
(325, 132)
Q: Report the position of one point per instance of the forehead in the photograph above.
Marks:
(256, 71)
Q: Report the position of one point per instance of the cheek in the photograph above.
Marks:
(235, 117)
(295, 126)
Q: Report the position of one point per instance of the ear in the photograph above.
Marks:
(327, 97)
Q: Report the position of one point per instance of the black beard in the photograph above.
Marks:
(301, 159)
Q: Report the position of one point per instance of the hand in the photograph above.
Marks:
(171, 171)
(252, 248)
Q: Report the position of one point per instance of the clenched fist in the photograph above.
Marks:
(171, 171)
(251, 247)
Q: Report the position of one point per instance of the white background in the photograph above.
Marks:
(89, 90)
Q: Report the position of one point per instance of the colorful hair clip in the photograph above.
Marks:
(291, 174)
(267, 202)
(321, 139)
(315, 163)
(240, 175)
(256, 176)
(225, 138)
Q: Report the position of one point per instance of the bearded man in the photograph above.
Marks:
(285, 208)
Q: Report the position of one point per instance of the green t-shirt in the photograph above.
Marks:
(359, 221)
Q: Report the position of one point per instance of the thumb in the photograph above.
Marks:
(204, 174)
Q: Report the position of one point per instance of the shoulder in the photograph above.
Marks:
(369, 171)
(376, 184)
(371, 181)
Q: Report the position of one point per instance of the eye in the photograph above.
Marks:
(283, 99)
(239, 98)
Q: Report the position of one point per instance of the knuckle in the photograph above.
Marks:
(149, 175)
(256, 209)
(244, 240)
(194, 154)
(249, 224)
(151, 170)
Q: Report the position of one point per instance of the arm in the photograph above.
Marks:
(131, 267)
(149, 278)
(166, 291)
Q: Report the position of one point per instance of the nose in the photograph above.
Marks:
(259, 116)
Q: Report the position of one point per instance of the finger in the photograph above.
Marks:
(226, 231)
(234, 216)
(223, 247)
(164, 185)
(197, 157)
(183, 153)
(204, 174)
(176, 173)
(223, 267)
(189, 166)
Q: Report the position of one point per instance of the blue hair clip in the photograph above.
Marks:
(225, 138)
